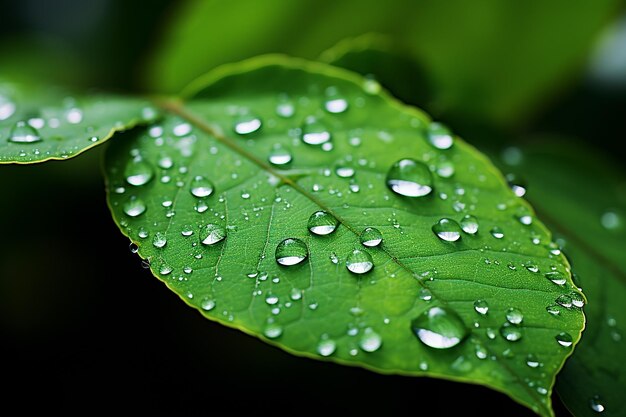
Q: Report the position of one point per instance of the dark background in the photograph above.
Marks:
(85, 330)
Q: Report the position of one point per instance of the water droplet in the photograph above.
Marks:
(596, 404)
(182, 129)
(556, 277)
(410, 178)
(577, 299)
(370, 237)
(336, 105)
(315, 133)
(326, 347)
(212, 234)
(511, 332)
(370, 340)
(497, 232)
(439, 328)
(445, 169)
(532, 268)
(285, 108)
(359, 262)
(24, 133)
(133, 248)
(553, 309)
(481, 307)
(469, 224)
(440, 136)
(159, 240)
(165, 269)
(74, 116)
(201, 187)
(138, 172)
(610, 220)
(425, 294)
(142, 233)
(291, 252)
(207, 304)
(447, 229)
(271, 299)
(517, 185)
(344, 171)
(322, 223)
(296, 294)
(532, 361)
(564, 300)
(564, 339)
(273, 330)
(514, 316)
(134, 207)
(279, 156)
(481, 352)
(247, 124)
(7, 108)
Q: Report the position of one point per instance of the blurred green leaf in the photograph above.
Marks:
(40, 123)
(581, 196)
(255, 194)
(490, 60)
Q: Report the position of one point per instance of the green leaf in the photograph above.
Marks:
(582, 197)
(482, 57)
(229, 192)
(38, 124)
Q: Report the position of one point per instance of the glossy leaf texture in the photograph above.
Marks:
(301, 204)
(581, 195)
(500, 81)
(38, 124)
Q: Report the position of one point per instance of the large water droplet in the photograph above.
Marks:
(291, 251)
(247, 124)
(370, 340)
(439, 328)
(370, 236)
(564, 339)
(410, 178)
(159, 240)
(447, 229)
(138, 172)
(279, 156)
(514, 316)
(359, 262)
(322, 223)
(134, 207)
(440, 136)
(511, 332)
(201, 187)
(326, 347)
(469, 224)
(481, 307)
(212, 234)
(23, 133)
(315, 133)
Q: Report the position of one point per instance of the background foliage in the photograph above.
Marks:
(77, 309)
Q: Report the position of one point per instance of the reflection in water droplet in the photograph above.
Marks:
(564, 339)
(511, 332)
(439, 328)
(247, 124)
(134, 207)
(315, 133)
(138, 172)
(447, 229)
(410, 178)
(23, 133)
(359, 262)
(514, 316)
(481, 307)
(291, 251)
(322, 223)
(370, 237)
(469, 224)
(201, 187)
(212, 234)
(440, 136)
(370, 340)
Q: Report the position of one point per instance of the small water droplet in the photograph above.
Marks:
(610, 220)
(212, 234)
(564, 339)
(564, 300)
(326, 347)
(165, 269)
(271, 299)
(247, 124)
(596, 404)
(517, 185)
(371, 237)
(207, 304)
(315, 133)
(469, 224)
(370, 340)
(74, 116)
(273, 330)
(481, 307)
(556, 277)
(514, 316)
(410, 178)
(553, 309)
(344, 171)
(201, 186)
(291, 251)
(440, 136)
(322, 223)
(138, 172)
(445, 169)
(447, 229)
(481, 352)
(142, 233)
(182, 129)
(7, 108)
(497, 232)
(425, 294)
(134, 207)
(285, 108)
(439, 328)
(279, 156)
(159, 240)
(336, 105)
(511, 332)
(532, 361)
(359, 262)
(577, 299)
(21, 132)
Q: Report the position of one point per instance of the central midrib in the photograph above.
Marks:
(176, 107)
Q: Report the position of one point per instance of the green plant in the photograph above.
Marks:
(302, 204)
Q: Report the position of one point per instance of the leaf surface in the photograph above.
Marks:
(38, 123)
(590, 220)
(233, 175)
